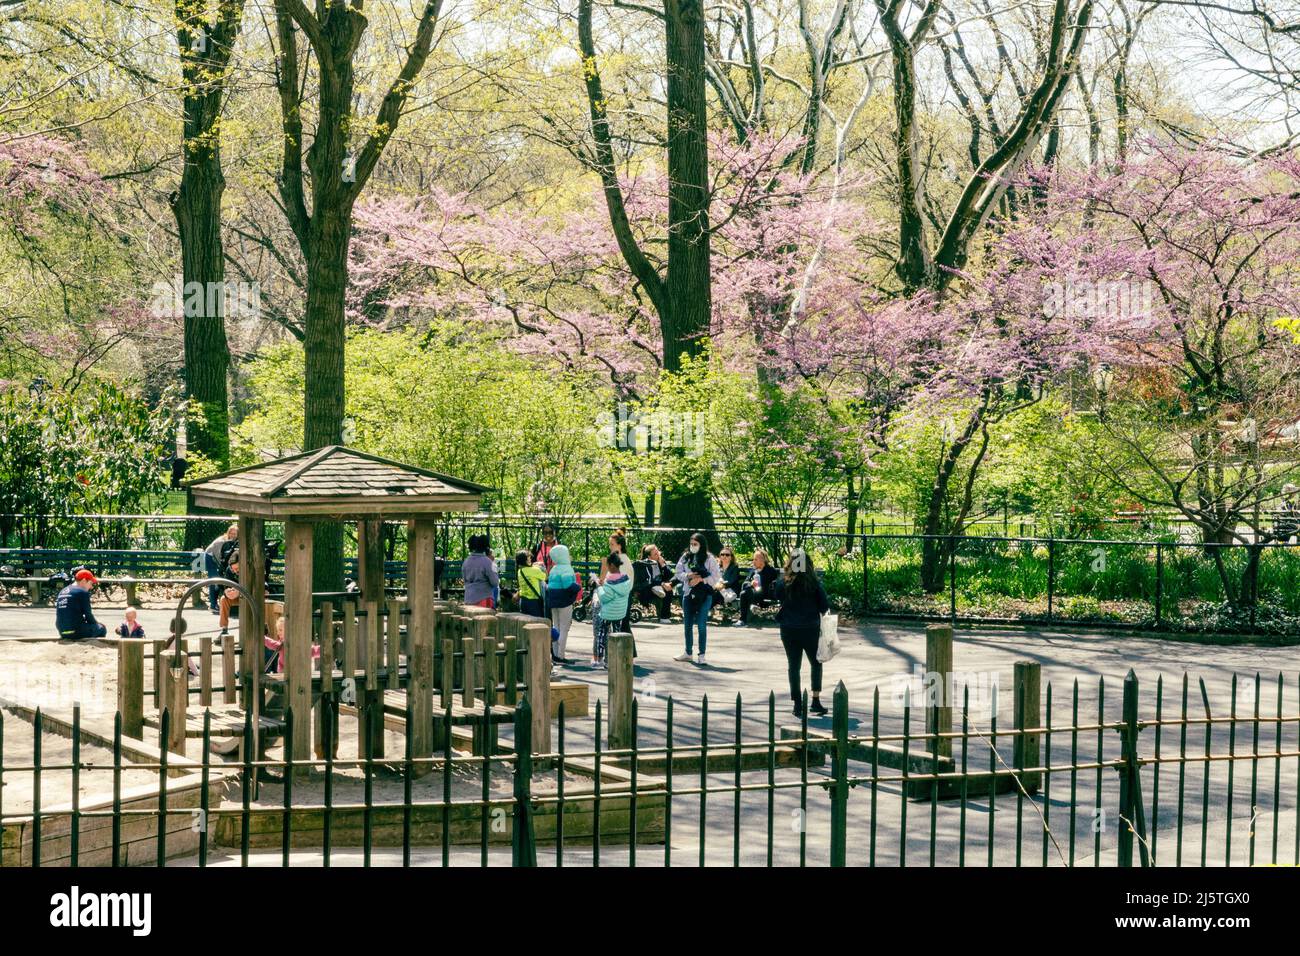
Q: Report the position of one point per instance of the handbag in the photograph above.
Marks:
(828, 645)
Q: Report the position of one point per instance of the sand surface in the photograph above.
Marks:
(95, 780)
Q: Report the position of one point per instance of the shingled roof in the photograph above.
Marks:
(336, 482)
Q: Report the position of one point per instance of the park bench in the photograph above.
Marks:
(31, 568)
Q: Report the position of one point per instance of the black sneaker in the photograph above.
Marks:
(797, 711)
(816, 708)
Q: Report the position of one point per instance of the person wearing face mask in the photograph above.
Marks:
(698, 572)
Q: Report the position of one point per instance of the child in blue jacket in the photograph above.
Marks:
(613, 597)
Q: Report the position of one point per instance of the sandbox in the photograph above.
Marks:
(115, 804)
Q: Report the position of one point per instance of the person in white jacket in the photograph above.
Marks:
(698, 572)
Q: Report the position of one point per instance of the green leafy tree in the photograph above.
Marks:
(463, 407)
(99, 451)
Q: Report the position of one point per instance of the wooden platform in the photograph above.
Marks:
(395, 703)
(227, 721)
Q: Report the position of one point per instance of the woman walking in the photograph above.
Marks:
(698, 572)
(803, 602)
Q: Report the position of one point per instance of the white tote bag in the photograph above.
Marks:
(828, 645)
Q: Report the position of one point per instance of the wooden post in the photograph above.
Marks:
(205, 671)
(455, 629)
(468, 646)
(328, 653)
(374, 654)
(162, 679)
(420, 543)
(393, 656)
(370, 560)
(938, 668)
(448, 686)
(297, 631)
(504, 624)
(349, 639)
(538, 637)
(178, 688)
(130, 686)
(1027, 714)
(252, 575)
(228, 678)
(487, 643)
(512, 671)
(325, 638)
(370, 705)
(159, 680)
(619, 656)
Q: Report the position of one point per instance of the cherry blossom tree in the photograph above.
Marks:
(1201, 412)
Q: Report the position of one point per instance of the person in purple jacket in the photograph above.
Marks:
(479, 573)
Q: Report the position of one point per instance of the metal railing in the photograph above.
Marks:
(1121, 781)
(1159, 585)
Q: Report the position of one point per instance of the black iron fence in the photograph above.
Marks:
(1161, 585)
(1103, 779)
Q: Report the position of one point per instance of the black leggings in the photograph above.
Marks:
(799, 641)
(748, 598)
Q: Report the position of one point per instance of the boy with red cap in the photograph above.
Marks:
(72, 614)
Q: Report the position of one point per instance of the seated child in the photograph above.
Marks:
(274, 649)
(130, 627)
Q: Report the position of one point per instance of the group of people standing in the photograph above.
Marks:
(796, 589)
(548, 586)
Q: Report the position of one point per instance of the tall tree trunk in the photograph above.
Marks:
(339, 171)
(205, 49)
(683, 297)
(935, 552)
(690, 303)
(689, 285)
(324, 320)
(325, 376)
